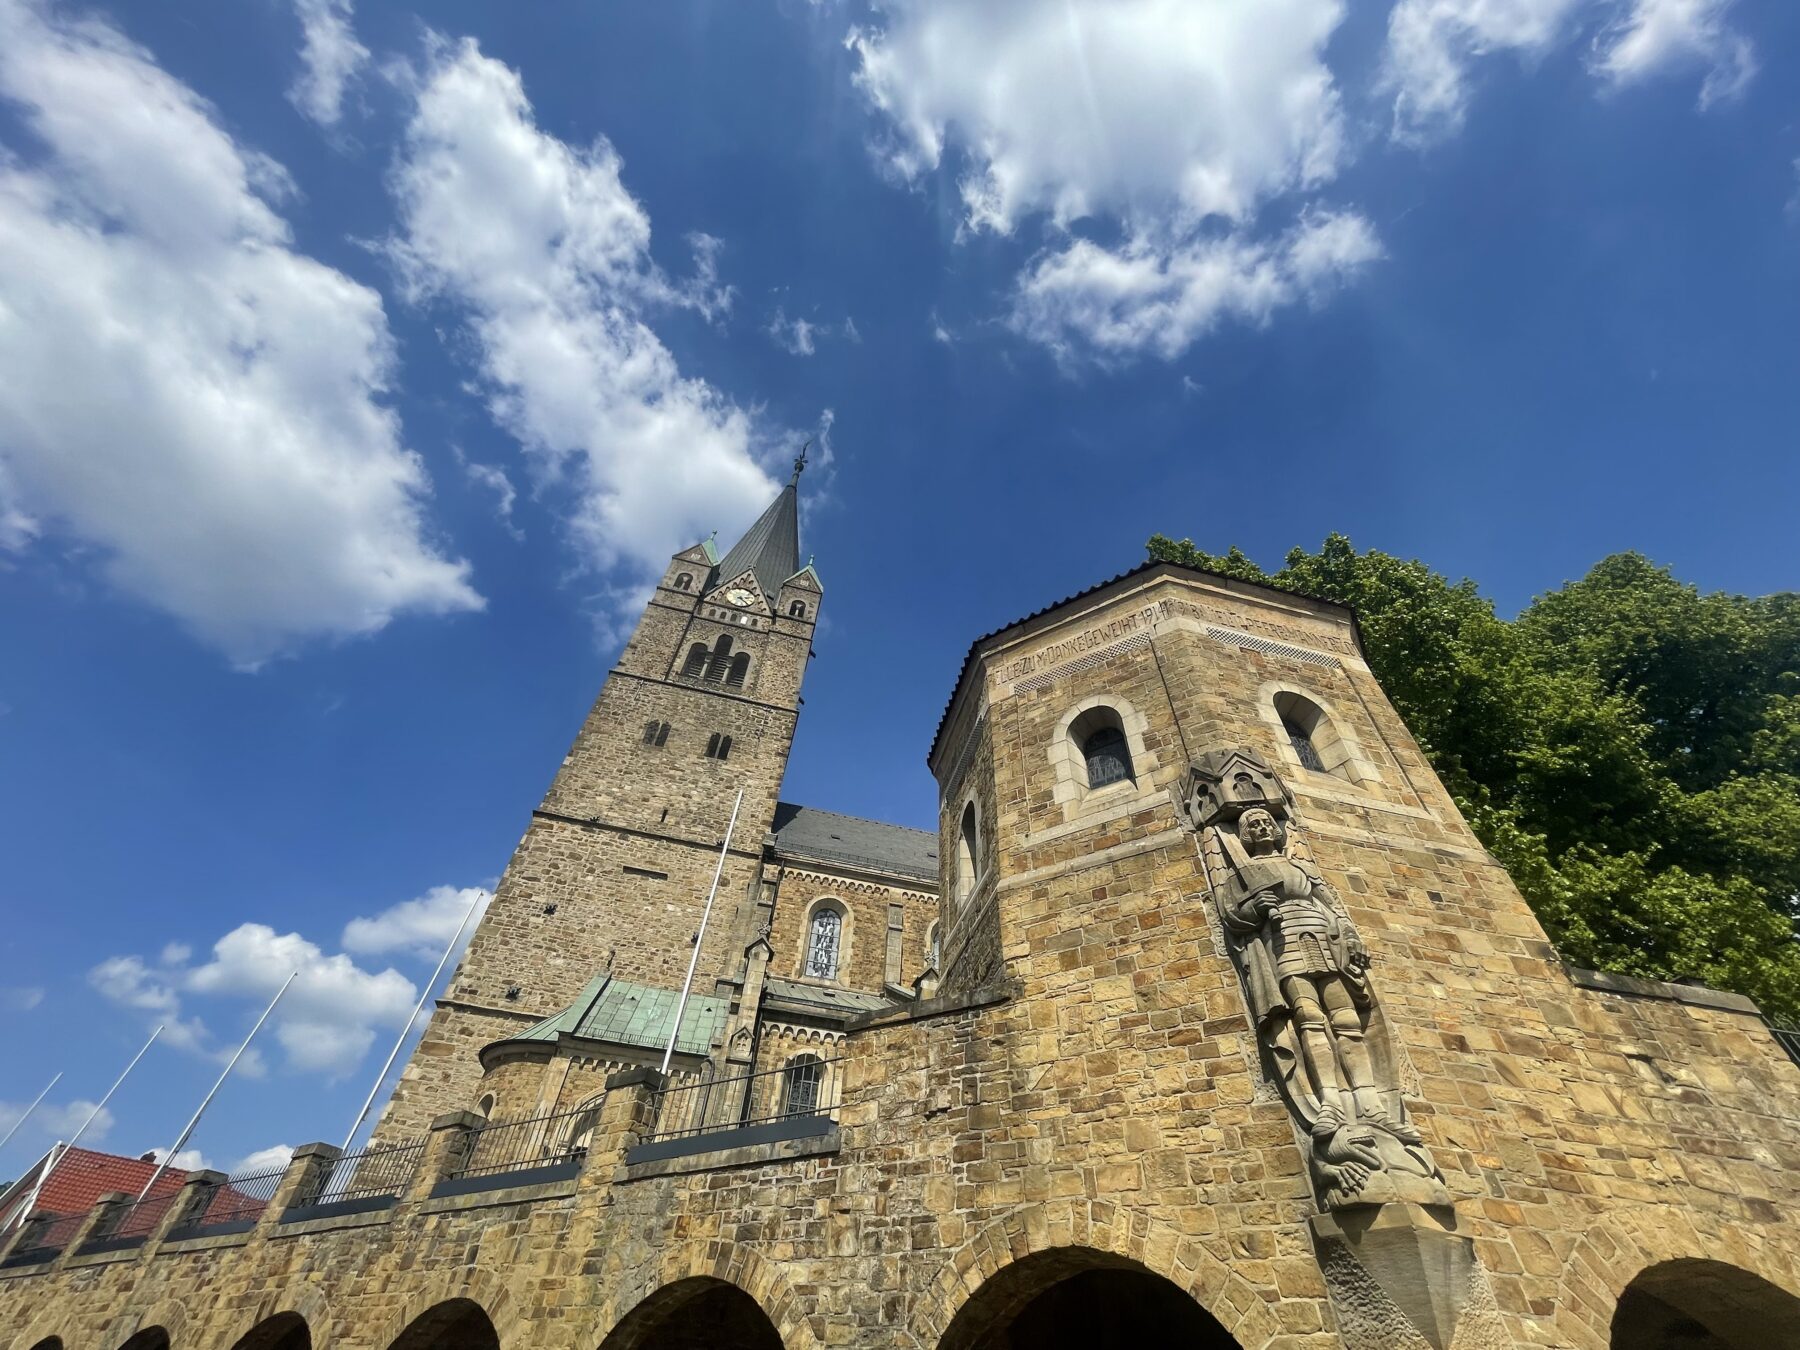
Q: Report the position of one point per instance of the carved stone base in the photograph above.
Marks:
(1400, 1275)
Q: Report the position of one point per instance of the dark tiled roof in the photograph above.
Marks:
(770, 548)
(1139, 570)
(808, 832)
(826, 999)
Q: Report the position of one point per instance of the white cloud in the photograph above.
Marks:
(184, 390)
(1660, 35)
(187, 1160)
(273, 1158)
(794, 336)
(1140, 109)
(419, 928)
(1432, 45)
(51, 1122)
(546, 253)
(330, 58)
(20, 998)
(327, 1021)
(1114, 303)
(1174, 126)
(494, 479)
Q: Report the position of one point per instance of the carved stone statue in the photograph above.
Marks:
(1305, 976)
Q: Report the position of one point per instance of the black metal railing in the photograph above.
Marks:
(46, 1240)
(375, 1173)
(805, 1088)
(1788, 1038)
(525, 1145)
(235, 1205)
(133, 1224)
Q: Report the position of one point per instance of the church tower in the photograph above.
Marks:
(606, 888)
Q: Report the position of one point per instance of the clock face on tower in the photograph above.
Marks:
(739, 596)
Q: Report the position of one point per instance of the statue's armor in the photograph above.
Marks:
(1305, 928)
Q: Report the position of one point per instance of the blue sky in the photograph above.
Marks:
(359, 364)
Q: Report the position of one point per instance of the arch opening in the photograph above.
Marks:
(149, 1338)
(701, 1313)
(1703, 1305)
(284, 1331)
(1076, 1298)
(454, 1324)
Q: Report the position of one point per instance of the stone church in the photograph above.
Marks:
(1201, 1020)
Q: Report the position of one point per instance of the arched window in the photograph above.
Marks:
(718, 746)
(1108, 757)
(933, 953)
(800, 1086)
(1301, 740)
(656, 733)
(695, 665)
(968, 853)
(683, 581)
(721, 658)
(485, 1106)
(822, 939)
(1316, 743)
(797, 609)
(740, 667)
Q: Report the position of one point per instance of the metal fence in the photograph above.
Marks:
(805, 1087)
(1789, 1040)
(514, 1145)
(237, 1204)
(133, 1224)
(381, 1171)
(47, 1241)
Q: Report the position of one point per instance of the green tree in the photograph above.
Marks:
(1628, 747)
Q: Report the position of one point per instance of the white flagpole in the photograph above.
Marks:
(700, 937)
(57, 1157)
(406, 1030)
(163, 1163)
(28, 1110)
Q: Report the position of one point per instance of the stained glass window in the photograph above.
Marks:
(1108, 759)
(822, 944)
(804, 1078)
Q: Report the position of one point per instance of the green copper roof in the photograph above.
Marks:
(634, 1014)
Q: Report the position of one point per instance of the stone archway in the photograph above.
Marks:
(1615, 1251)
(1188, 1263)
(1696, 1304)
(454, 1324)
(283, 1331)
(698, 1313)
(1076, 1298)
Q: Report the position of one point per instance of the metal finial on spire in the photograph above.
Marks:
(800, 463)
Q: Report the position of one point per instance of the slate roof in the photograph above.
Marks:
(807, 832)
(624, 1013)
(770, 548)
(826, 999)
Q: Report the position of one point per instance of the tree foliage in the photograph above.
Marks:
(1627, 746)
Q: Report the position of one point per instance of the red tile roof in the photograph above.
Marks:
(83, 1176)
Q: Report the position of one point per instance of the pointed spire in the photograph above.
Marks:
(800, 464)
(771, 547)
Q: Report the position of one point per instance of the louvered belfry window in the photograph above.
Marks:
(1108, 759)
(822, 944)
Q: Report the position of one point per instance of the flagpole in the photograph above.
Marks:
(163, 1163)
(405, 1031)
(694, 960)
(28, 1110)
(56, 1158)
